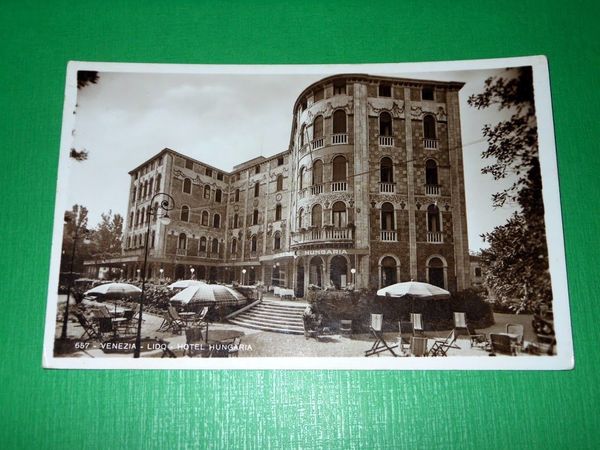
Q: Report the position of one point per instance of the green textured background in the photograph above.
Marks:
(277, 409)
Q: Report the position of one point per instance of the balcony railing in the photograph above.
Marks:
(337, 186)
(435, 237)
(433, 189)
(387, 188)
(316, 189)
(322, 234)
(181, 252)
(388, 236)
(340, 138)
(386, 141)
(430, 144)
(317, 143)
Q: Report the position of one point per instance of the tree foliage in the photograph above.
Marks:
(108, 235)
(75, 225)
(516, 261)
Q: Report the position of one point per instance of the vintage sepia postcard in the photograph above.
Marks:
(377, 216)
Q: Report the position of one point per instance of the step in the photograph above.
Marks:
(280, 308)
(301, 306)
(271, 322)
(266, 328)
(271, 312)
(259, 316)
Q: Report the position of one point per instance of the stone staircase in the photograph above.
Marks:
(273, 315)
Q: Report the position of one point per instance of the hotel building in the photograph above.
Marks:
(369, 192)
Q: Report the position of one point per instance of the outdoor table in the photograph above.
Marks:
(286, 292)
(118, 321)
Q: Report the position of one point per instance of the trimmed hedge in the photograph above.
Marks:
(437, 314)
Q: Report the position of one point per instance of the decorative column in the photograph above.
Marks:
(410, 180)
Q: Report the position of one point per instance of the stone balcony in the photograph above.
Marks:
(327, 234)
(435, 237)
(430, 144)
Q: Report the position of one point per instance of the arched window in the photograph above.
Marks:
(317, 172)
(389, 271)
(145, 189)
(128, 242)
(217, 221)
(137, 217)
(234, 246)
(301, 178)
(187, 186)
(385, 124)
(202, 247)
(431, 172)
(152, 239)
(215, 246)
(338, 215)
(253, 243)
(158, 180)
(279, 183)
(237, 195)
(435, 272)
(255, 217)
(317, 216)
(433, 219)
(256, 189)
(185, 213)
(218, 195)
(133, 194)
(300, 218)
(204, 219)
(236, 220)
(182, 241)
(339, 121)
(386, 170)
(277, 241)
(429, 127)
(154, 216)
(318, 127)
(131, 219)
(387, 217)
(143, 216)
(339, 168)
(150, 186)
(207, 191)
(278, 212)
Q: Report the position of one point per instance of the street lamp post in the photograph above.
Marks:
(243, 276)
(166, 205)
(161, 271)
(85, 231)
(353, 272)
(192, 270)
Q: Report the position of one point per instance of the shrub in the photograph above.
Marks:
(478, 311)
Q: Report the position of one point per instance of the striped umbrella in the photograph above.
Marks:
(209, 294)
(114, 290)
(182, 284)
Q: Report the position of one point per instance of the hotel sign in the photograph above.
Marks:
(328, 251)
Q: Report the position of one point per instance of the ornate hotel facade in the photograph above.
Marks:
(370, 192)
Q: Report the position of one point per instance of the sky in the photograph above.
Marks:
(224, 120)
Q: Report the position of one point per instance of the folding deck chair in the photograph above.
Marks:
(380, 345)
(461, 328)
(441, 347)
(417, 321)
(406, 334)
(88, 328)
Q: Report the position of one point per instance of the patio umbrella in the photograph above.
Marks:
(414, 289)
(182, 284)
(209, 294)
(114, 290)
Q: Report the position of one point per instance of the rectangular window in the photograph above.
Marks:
(319, 95)
(257, 169)
(339, 88)
(220, 176)
(280, 161)
(385, 90)
(427, 93)
(208, 172)
(189, 164)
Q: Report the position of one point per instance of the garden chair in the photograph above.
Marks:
(105, 325)
(418, 346)
(380, 345)
(417, 321)
(195, 343)
(168, 324)
(502, 343)
(516, 329)
(406, 334)
(176, 318)
(440, 347)
(461, 328)
(88, 329)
